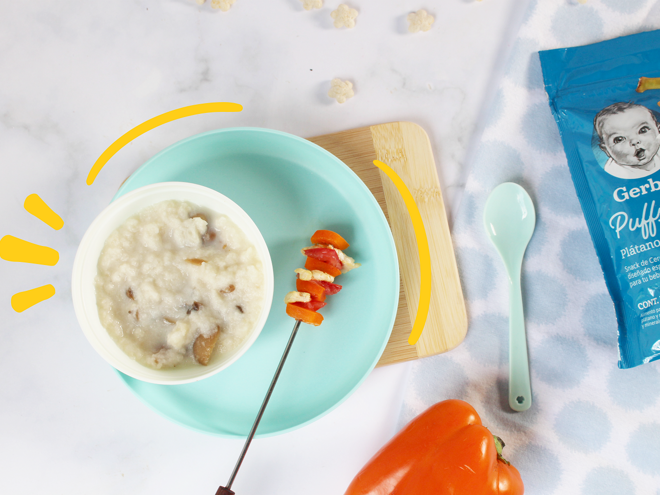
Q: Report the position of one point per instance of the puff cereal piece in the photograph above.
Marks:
(223, 5)
(341, 90)
(420, 21)
(344, 16)
(312, 4)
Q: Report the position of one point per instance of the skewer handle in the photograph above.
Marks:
(226, 490)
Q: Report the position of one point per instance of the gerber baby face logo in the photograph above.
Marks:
(629, 136)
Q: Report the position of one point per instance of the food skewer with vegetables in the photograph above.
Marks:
(325, 261)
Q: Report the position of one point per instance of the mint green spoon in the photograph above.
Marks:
(509, 219)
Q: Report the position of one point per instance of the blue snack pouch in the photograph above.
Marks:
(605, 102)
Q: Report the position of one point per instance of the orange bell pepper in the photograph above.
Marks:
(329, 237)
(316, 291)
(304, 315)
(314, 264)
(445, 450)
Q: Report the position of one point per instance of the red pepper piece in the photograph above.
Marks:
(311, 305)
(326, 255)
(329, 287)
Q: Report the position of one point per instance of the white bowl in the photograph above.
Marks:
(84, 273)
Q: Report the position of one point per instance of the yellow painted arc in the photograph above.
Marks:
(422, 248)
(646, 83)
(24, 300)
(38, 207)
(153, 123)
(15, 249)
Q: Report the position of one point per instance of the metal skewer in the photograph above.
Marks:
(226, 490)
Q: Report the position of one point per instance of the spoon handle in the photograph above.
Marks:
(520, 392)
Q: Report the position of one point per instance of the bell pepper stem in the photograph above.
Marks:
(499, 445)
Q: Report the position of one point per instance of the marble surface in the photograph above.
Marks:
(74, 76)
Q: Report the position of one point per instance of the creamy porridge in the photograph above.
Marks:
(177, 284)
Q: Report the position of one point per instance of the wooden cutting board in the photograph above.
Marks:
(405, 147)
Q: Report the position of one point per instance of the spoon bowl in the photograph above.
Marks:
(509, 220)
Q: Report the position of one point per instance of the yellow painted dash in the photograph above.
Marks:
(422, 248)
(153, 123)
(18, 250)
(38, 207)
(24, 300)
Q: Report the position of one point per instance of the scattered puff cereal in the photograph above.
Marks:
(420, 21)
(312, 4)
(341, 90)
(344, 16)
(223, 5)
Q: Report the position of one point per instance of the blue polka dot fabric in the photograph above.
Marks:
(593, 429)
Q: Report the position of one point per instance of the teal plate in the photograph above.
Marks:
(290, 188)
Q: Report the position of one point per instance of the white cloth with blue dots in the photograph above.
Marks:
(593, 429)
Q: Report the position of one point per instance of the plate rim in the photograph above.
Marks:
(395, 275)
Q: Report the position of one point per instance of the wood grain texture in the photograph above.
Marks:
(355, 148)
(406, 149)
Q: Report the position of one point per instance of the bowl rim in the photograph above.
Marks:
(123, 207)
